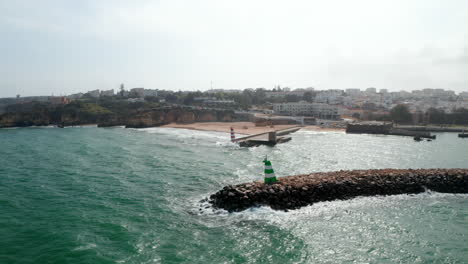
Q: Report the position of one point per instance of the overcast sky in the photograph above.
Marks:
(67, 46)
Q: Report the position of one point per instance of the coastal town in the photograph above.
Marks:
(279, 105)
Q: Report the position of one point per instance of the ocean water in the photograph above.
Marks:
(115, 195)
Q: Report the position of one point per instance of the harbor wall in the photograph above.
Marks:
(369, 128)
(434, 128)
(294, 192)
(384, 129)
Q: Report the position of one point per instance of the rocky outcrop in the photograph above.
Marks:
(134, 119)
(158, 117)
(26, 119)
(296, 191)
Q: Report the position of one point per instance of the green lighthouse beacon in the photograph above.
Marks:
(269, 172)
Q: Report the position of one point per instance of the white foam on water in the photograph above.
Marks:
(315, 132)
(82, 126)
(186, 133)
(85, 247)
(227, 144)
(322, 210)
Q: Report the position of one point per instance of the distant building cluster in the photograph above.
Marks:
(136, 92)
(417, 100)
(213, 101)
(142, 92)
(351, 101)
(309, 102)
(278, 92)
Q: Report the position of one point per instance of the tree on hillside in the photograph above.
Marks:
(292, 98)
(400, 114)
(189, 99)
(436, 116)
(308, 96)
(171, 98)
(460, 116)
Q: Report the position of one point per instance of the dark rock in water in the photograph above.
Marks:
(293, 192)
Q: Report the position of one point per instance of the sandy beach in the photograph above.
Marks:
(246, 128)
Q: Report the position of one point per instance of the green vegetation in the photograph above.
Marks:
(400, 114)
(458, 116)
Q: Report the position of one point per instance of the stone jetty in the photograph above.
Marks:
(293, 192)
(383, 128)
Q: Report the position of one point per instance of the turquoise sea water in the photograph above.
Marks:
(98, 195)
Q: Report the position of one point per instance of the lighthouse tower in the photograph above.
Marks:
(233, 137)
(269, 172)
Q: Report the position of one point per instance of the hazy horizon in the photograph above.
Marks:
(64, 47)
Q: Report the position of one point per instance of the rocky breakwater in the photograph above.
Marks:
(293, 192)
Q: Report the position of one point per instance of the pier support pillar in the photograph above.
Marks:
(272, 136)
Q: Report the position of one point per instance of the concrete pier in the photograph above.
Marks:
(385, 129)
(268, 138)
(293, 192)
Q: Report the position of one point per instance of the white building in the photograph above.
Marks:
(150, 92)
(94, 93)
(464, 95)
(400, 95)
(371, 90)
(140, 92)
(134, 100)
(108, 93)
(283, 94)
(226, 90)
(417, 93)
(295, 108)
(75, 96)
(461, 104)
(219, 102)
(329, 97)
(304, 108)
(203, 98)
(353, 91)
(439, 93)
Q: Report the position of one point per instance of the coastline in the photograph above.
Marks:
(241, 128)
(246, 128)
(48, 126)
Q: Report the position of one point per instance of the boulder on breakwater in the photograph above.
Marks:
(293, 192)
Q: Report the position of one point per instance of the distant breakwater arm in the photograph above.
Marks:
(293, 192)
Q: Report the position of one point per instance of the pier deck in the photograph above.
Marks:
(267, 138)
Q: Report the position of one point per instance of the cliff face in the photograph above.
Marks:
(12, 120)
(25, 119)
(45, 118)
(43, 114)
(160, 117)
(104, 118)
